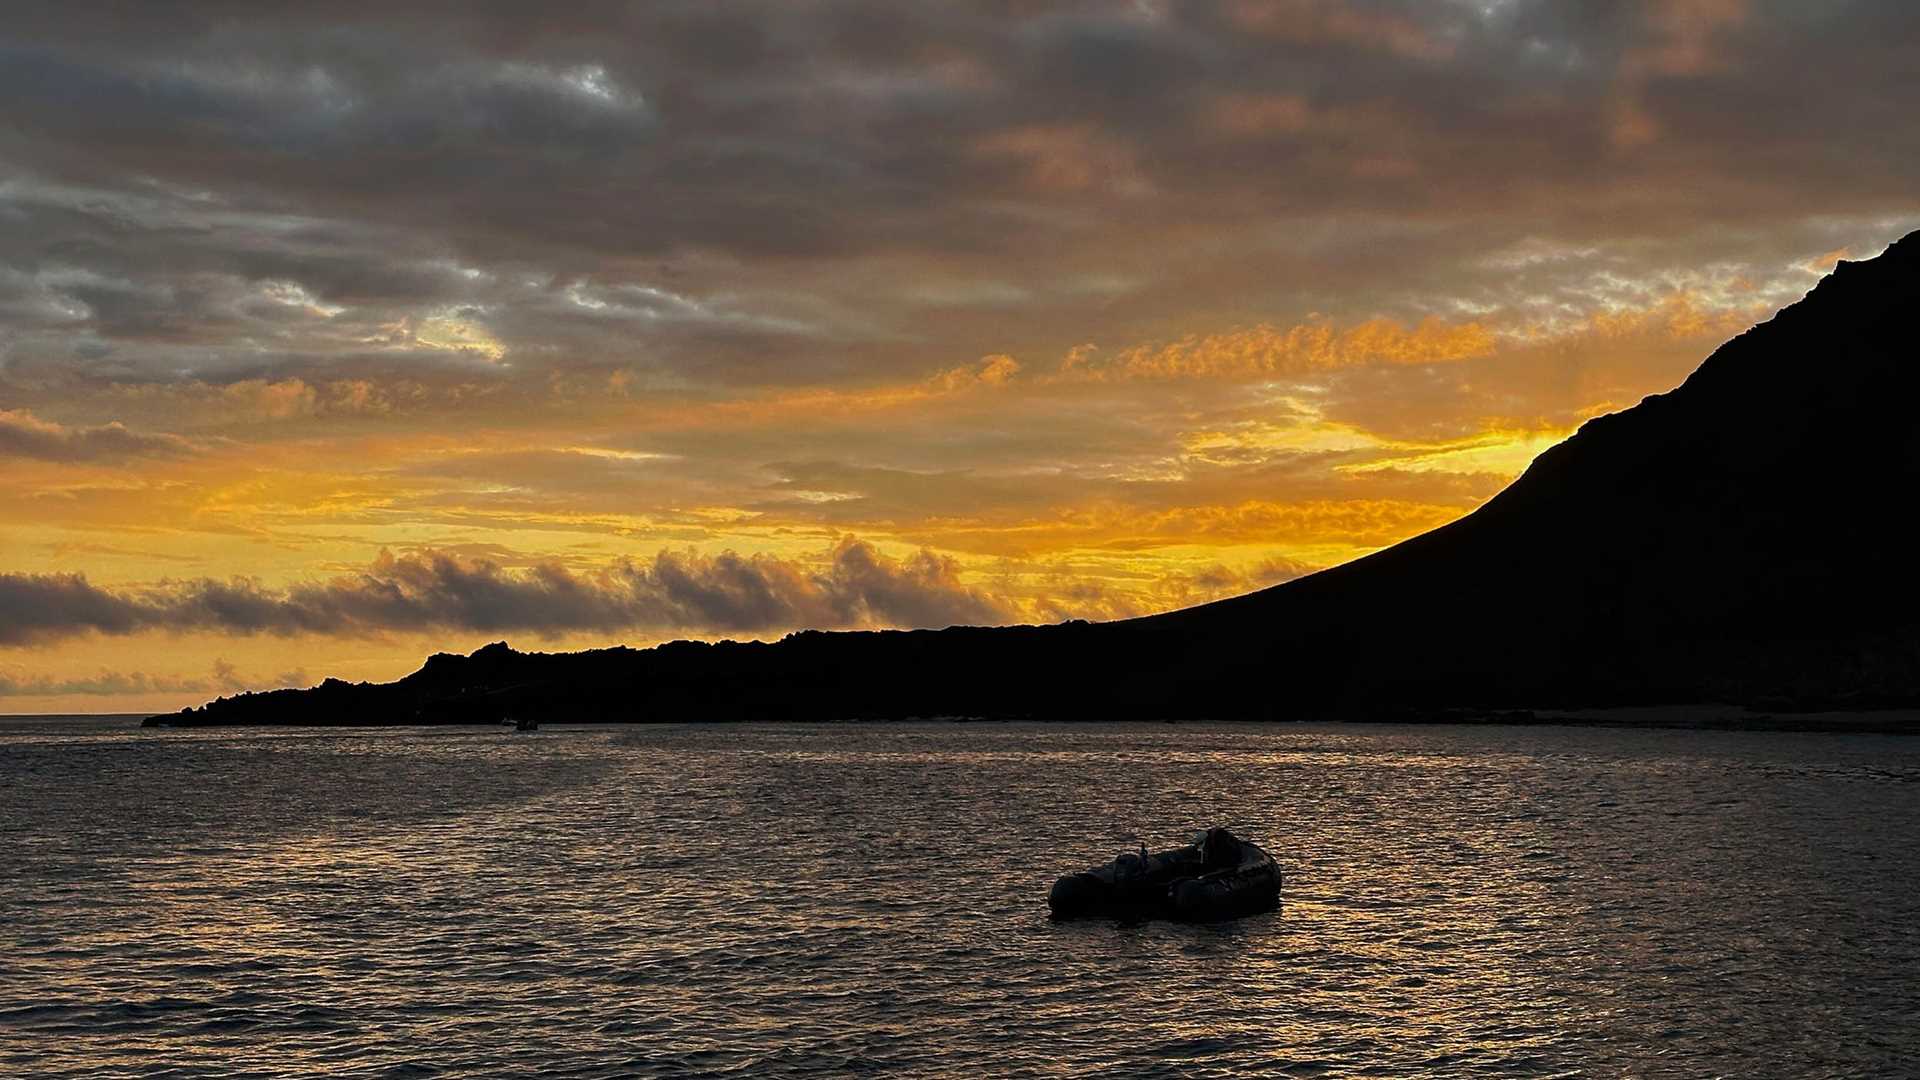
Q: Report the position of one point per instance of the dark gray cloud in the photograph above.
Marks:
(41, 607)
(674, 591)
(768, 192)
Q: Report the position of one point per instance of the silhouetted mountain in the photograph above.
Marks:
(1739, 539)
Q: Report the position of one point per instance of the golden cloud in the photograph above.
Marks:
(1305, 348)
(1683, 314)
(24, 435)
(1354, 525)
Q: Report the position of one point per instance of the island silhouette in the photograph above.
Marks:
(1741, 539)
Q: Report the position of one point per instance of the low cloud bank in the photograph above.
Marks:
(104, 683)
(858, 586)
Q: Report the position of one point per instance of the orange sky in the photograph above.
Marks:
(326, 347)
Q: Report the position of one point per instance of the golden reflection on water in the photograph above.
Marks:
(781, 901)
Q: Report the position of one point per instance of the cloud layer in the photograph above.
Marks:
(224, 678)
(856, 587)
(367, 189)
(24, 435)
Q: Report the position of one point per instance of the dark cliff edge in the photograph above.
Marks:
(1737, 540)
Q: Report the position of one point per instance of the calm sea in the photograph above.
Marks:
(827, 901)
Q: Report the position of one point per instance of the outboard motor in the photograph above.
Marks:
(1219, 849)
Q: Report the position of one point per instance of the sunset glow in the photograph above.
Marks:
(325, 348)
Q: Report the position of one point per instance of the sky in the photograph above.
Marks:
(335, 335)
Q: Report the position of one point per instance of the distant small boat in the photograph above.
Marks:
(523, 723)
(1219, 876)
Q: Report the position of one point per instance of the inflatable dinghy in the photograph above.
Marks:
(1217, 877)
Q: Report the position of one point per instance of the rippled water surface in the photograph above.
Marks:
(788, 901)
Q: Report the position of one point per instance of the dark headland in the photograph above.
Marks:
(1741, 540)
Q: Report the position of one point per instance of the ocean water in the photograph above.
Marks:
(829, 901)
